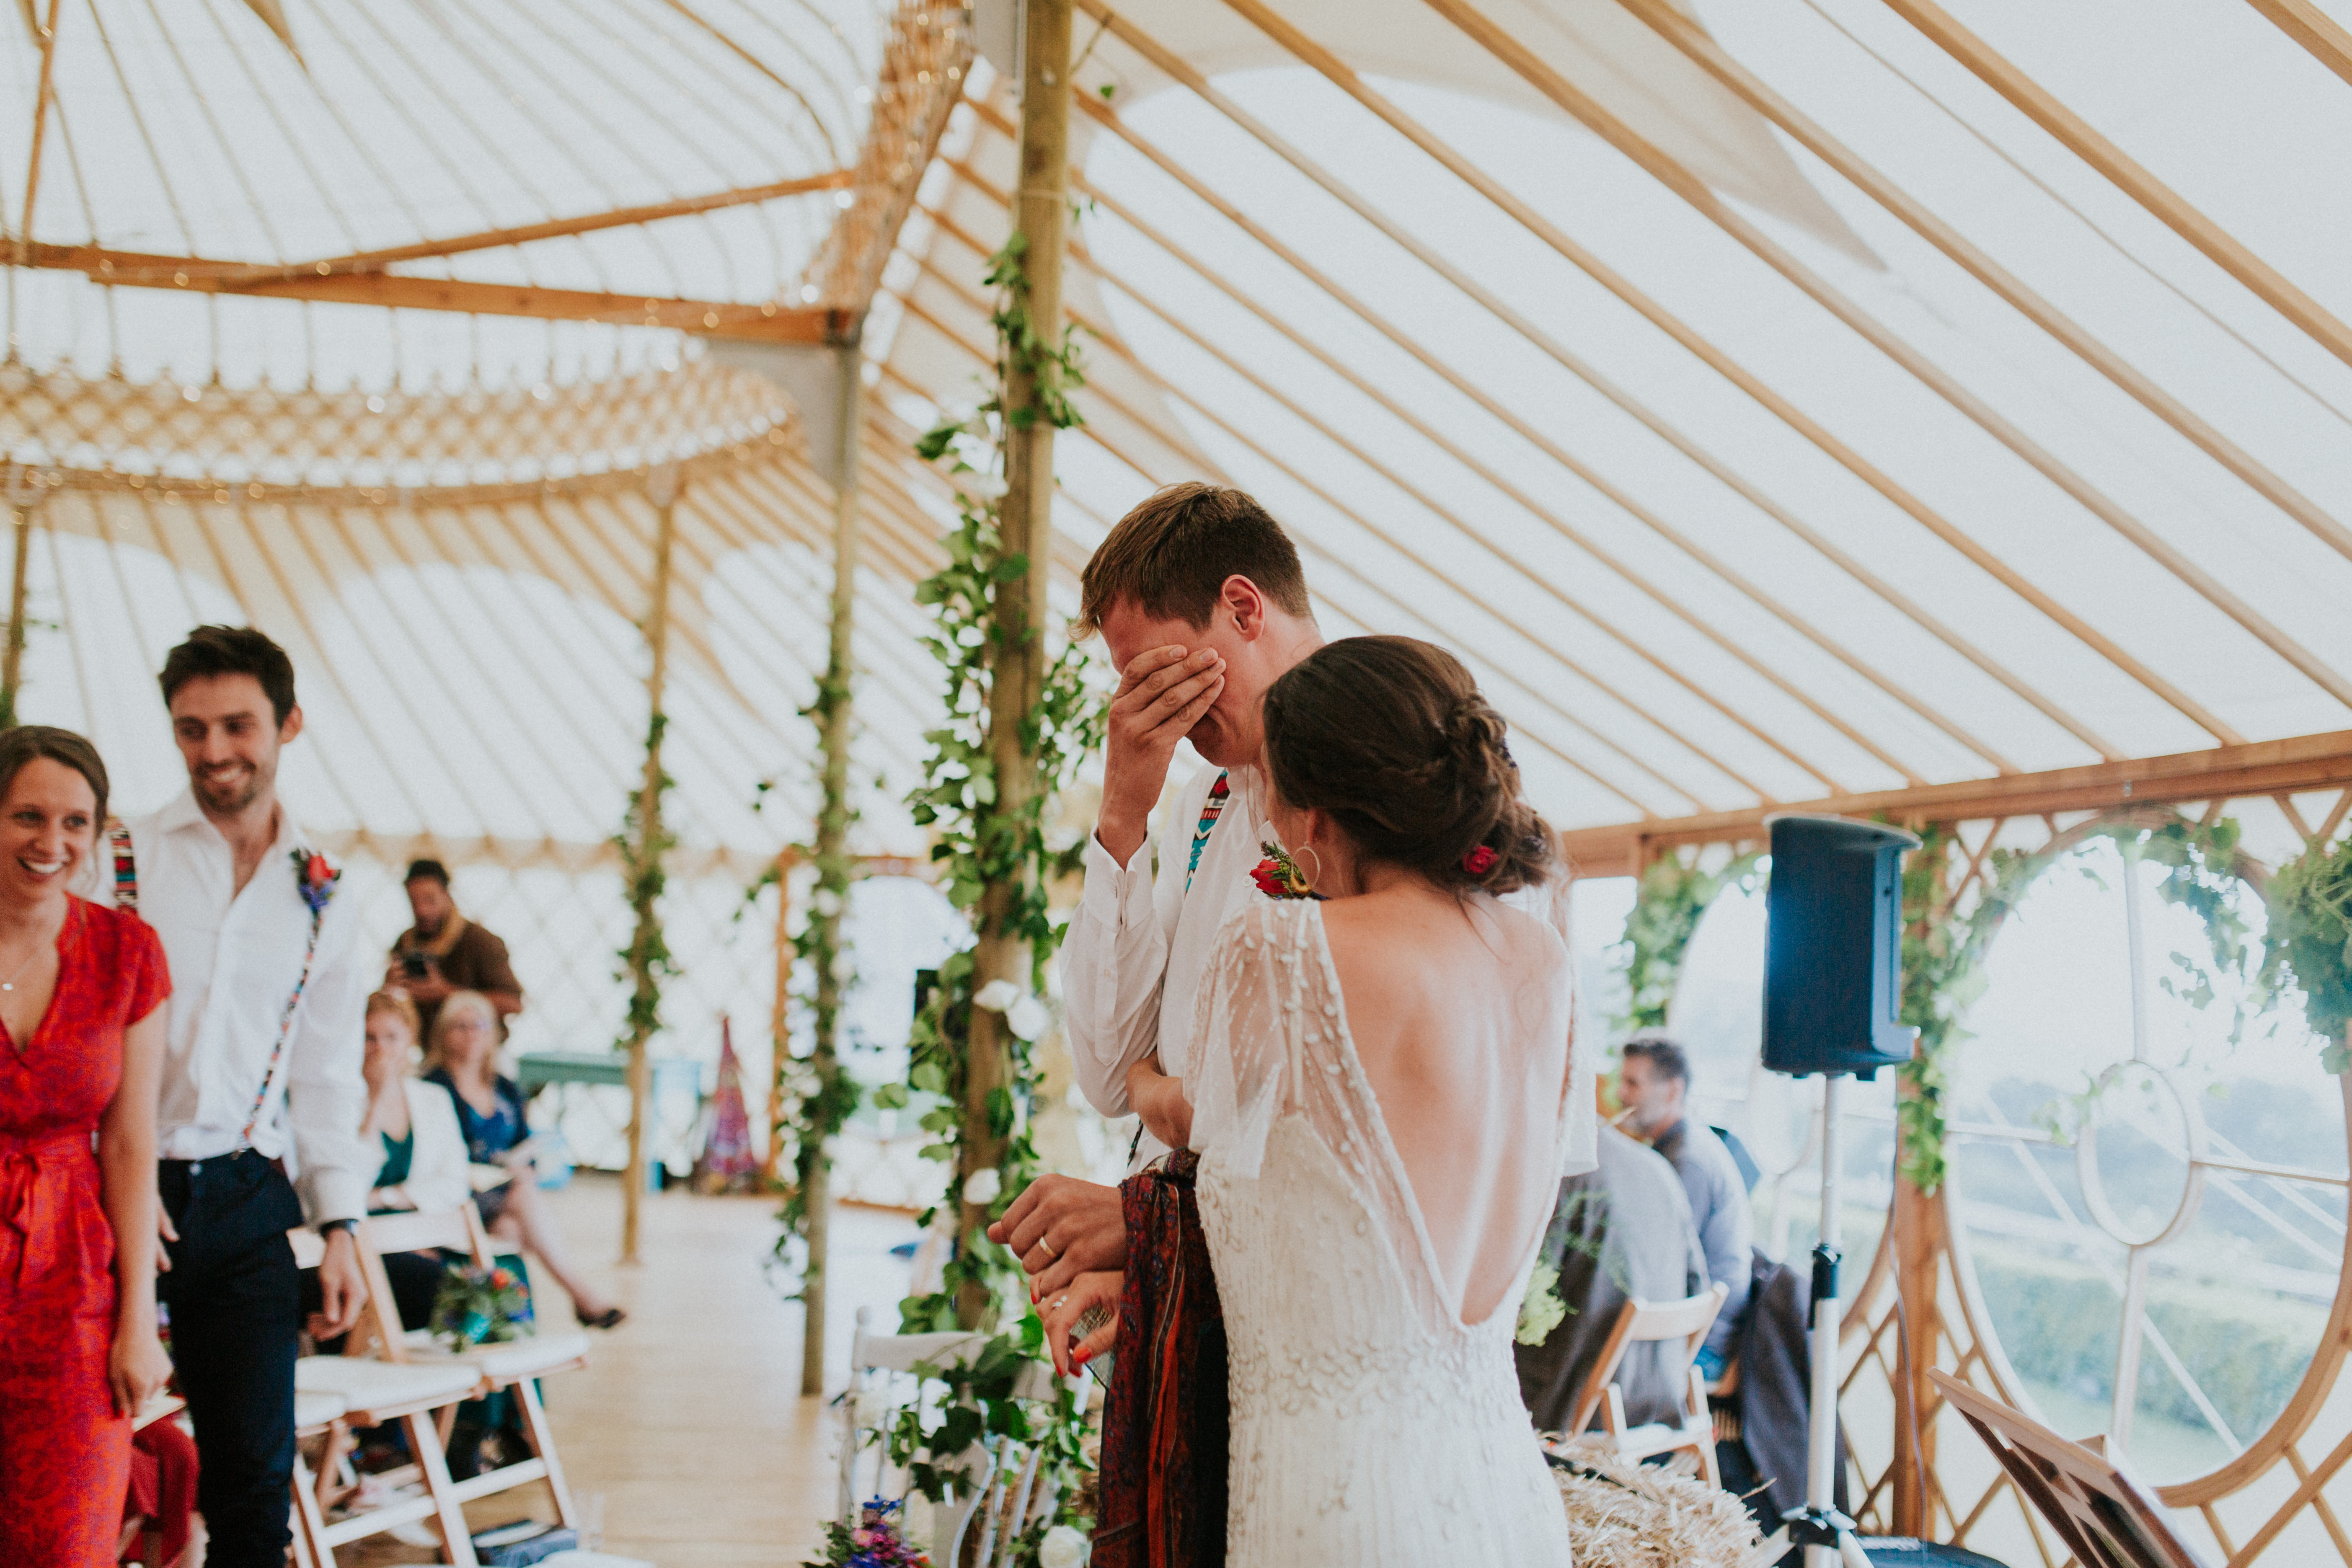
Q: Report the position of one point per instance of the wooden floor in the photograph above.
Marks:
(687, 1429)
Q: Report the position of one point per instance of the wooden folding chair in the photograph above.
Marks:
(1003, 1500)
(1645, 1322)
(2102, 1512)
(373, 1393)
(510, 1365)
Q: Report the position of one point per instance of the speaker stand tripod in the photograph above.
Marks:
(1826, 1534)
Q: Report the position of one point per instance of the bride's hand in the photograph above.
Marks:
(1160, 1100)
(1062, 1312)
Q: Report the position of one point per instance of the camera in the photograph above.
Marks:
(415, 965)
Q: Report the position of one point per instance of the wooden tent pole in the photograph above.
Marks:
(2125, 173)
(12, 661)
(42, 95)
(1025, 528)
(648, 849)
(2315, 29)
(1703, 51)
(832, 850)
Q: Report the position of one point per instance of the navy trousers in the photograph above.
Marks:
(235, 1315)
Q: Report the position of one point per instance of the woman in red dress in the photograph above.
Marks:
(81, 1052)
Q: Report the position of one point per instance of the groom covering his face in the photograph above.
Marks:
(1201, 601)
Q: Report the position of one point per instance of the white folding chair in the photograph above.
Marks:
(1641, 1322)
(373, 1393)
(1002, 1500)
(513, 1364)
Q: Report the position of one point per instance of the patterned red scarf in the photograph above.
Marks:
(1165, 1430)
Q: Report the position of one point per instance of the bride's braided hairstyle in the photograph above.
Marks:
(1391, 736)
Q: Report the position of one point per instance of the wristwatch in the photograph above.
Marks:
(333, 1225)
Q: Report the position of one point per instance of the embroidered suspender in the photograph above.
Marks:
(1210, 809)
(126, 868)
(285, 1028)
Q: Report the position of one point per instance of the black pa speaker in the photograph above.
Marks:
(1833, 947)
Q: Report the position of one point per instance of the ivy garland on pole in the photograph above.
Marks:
(978, 843)
(2309, 942)
(974, 842)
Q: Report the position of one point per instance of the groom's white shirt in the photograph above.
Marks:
(1142, 942)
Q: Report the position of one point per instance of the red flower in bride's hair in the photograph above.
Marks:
(1480, 861)
(1268, 880)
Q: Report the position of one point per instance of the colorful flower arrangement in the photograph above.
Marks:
(476, 1306)
(873, 1542)
(1278, 876)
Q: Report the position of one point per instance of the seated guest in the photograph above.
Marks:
(464, 1061)
(445, 953)
(424, 1152)
(1620, 1230)
(1654, 1084)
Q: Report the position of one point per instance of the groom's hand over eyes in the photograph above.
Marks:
(1061, 1227)
(1161, 695)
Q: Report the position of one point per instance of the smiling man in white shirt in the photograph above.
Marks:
(262, 1095)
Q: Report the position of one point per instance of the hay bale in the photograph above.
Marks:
(1626, 1515)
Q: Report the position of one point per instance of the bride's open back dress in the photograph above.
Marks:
(1370, 1424)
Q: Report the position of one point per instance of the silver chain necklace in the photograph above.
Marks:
(39, 948)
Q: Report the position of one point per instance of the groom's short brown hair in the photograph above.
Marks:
(1170, 556)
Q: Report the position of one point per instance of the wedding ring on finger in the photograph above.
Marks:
(1050, 1253)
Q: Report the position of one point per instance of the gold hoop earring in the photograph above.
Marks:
(1309, 849)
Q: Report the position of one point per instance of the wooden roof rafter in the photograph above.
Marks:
(767, 322)
(1703, 51)
(1485, 472)
(1542, 700)
(2126, 172)
(1748, 382)
(2257, 768)
(1547, 80)
(2320, 34)
(496, 238)
(1388, 537)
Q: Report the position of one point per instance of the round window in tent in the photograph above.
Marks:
(2148, 1166)
(1717, 1018)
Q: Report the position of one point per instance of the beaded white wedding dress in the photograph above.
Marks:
(1369, 1425)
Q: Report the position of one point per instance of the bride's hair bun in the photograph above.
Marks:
(1390, 738)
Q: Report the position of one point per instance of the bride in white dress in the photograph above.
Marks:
(1379, 1110)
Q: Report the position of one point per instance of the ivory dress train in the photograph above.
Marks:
(1371, 1426)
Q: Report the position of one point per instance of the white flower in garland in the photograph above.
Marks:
(982, 487)
(1063, 1548)
(825, 902)
(869, 1407)
(981, 1188)
(1024, 1015)
(1027, 1019)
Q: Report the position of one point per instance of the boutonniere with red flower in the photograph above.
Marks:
(1278, 876)
(316, 877)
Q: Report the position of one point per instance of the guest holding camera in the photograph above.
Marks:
(445, 953)
(464, 1059)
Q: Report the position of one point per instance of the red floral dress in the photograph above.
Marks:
(65, 1454)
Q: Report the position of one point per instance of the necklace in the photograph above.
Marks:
(39, 948)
